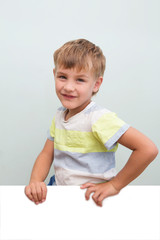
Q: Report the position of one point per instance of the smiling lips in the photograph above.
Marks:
(68, 96)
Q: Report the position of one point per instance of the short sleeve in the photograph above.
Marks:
(51, 131)
(108, 129)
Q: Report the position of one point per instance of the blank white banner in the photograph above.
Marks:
(134, 214)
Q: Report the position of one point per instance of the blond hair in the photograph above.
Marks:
(81, 54)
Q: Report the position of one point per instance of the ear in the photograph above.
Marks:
(97, 84)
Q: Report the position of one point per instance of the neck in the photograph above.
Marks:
(71, 112)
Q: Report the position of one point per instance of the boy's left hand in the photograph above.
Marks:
(100, 190)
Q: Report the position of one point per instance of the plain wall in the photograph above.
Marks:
(128, 33)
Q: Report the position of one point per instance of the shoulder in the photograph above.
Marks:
(96, 112)
(59, 113)
(105, 119)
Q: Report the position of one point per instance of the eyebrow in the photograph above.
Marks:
(82, 75)
(78, 75)
(60, 73)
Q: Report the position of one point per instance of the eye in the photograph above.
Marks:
(80, 80)
(62, 77)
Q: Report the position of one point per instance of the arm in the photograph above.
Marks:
(36, 190)
(144, 152)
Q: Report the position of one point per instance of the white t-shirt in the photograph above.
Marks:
(85, 145)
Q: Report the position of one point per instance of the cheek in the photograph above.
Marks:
(85, 91)
(58, 86)
(91, 88)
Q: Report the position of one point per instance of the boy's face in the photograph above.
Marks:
(74, 89)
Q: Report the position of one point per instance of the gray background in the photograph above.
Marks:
(30, 31)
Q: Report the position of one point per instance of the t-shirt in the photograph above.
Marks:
(85, 145)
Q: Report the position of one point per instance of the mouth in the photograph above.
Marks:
(67, 96)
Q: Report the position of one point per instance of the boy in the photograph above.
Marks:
(83, 137)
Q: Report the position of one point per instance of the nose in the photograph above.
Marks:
(69, 86)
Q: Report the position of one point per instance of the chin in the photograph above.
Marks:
(69, 106)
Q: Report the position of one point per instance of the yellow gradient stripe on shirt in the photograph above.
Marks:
(76, 141)
(52, 128)
(107, 126)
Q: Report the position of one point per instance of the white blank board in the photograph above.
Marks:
(134, 214)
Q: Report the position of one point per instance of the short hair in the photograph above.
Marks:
(81, 54)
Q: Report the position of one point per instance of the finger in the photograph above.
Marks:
(100, 200)
(99, 204)
(88, 192)
(95, 196)
(98, 197)
(44, 192)
(86, 185)
(28, 193)
(39, 193)
(101, 197)
(34, 194)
